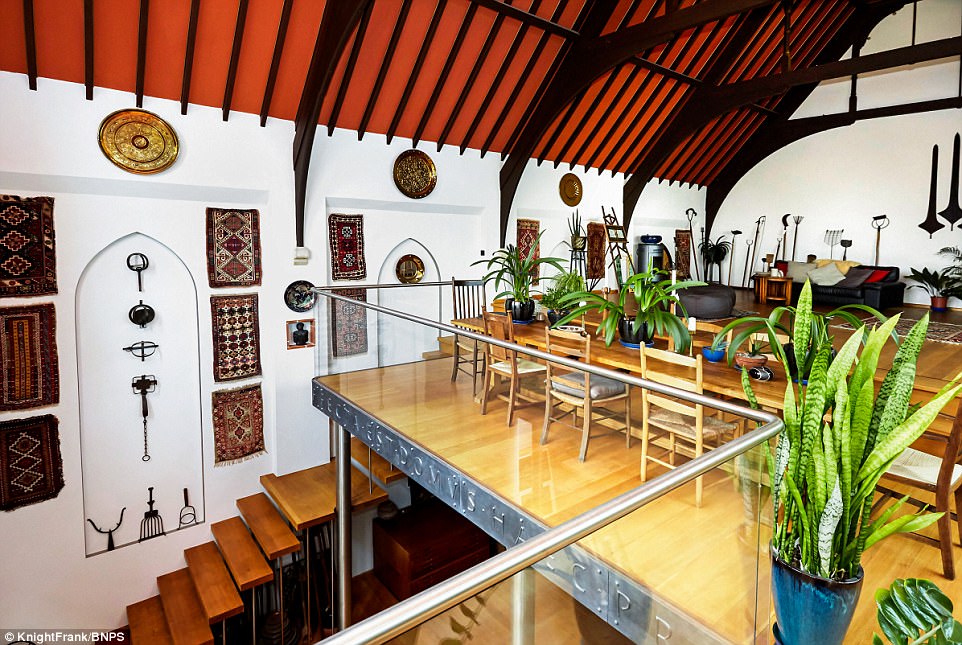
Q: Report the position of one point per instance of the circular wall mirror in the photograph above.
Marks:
(409, 269)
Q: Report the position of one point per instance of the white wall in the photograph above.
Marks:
(841, 178)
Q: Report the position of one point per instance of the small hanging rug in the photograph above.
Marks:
(349, 323)
(233, 248)
(597, 245)
(28, 357)
(346, 233)
(31, 470)
(238, 425)
(527, 240)
(28, 259)
(237, 352)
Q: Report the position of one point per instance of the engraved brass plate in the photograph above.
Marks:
(138, 141)
(570, 189)
(409, 269)
(415, 174)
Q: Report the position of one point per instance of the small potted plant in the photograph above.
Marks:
(940, 285)
(577, 232)
(563, 284)
(714, 253)
(653, 295)
(753, 357)
(509, 267)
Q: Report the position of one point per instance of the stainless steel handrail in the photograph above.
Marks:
(379, 285)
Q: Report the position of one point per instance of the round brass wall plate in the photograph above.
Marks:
(570, 189)
(415, 174)
(138, 141)
(409, 269)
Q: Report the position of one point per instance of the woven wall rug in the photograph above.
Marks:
(237, 350)
(31, 470)
(30, 376)
(28, 259)
(349, 323)
(683, 253)
(233, 248)
(238, 425)
(346, 233)
(527, 240)
(597, 238)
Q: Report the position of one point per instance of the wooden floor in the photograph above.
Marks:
(704, 560)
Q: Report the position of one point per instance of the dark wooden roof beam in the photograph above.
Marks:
(349, 69)
(30, 43)
(142, 51)
(234, 56)
(89, 49)
(583, 121)
(606, 120)
(528, 18)
(189, 55)
(385, 66)
(276, 60)
(551, 137)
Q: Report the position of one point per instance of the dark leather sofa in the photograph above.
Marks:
(889, 292)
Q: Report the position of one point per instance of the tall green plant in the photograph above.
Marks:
(915, 611)
(841, 434)
(509, 267)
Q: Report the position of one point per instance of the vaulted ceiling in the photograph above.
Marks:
(673, 89)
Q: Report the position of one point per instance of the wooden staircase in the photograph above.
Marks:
(208, 590)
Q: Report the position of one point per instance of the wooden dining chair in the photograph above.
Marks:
(937, 471)
(677, 425)
(469, 302)
(580, 390)
(504, 365)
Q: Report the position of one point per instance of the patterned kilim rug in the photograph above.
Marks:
(683, 253)
(597, 237)
(527, 238)
(28, 259)
(349, 324)
(233, 248)
(238, 425)
(237, 352)
(346, 233)
(938, 332)
(30, 467)
(28, 356)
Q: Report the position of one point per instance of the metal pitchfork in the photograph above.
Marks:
(153, 524)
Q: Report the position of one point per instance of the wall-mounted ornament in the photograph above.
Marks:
(409, 269)
(570, 189)
(28, 258)
(153, 524)
(188, 514)
(878, 223)
(144, 385)
(415, 174)
(300, 333)
(138, 141)
(141, 314)
(109, 532)
(299, 296)
(142, 349)
(931, 223)
(953, 212)
(138, 262)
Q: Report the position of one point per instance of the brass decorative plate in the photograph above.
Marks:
(138, 141)
(409, 269)
(415, 174)
(570, 189)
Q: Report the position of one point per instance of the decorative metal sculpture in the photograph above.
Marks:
(783, 240)
(953, 212)
(138, 141)
(846, 244)
(731, 258)
(138, 262)
(153, 524)
(141, 314)
(832, 237)
(931, 223)
(798, 220)
(142, 349)
(110, 532)
(188, 515)
(878, 223)
(144, 385)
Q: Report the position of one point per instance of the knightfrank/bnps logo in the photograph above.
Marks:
(40, 636)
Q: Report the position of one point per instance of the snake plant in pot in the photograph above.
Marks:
(842, 432)
(653, 295)
(517, 271)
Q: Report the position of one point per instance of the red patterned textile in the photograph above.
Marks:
(237, 351)
(349, 324)
(597, 239)
(683, 253)
(28, 259)
(31, 470)
(233, 248)
(527, 240)
(346, 233)
(238, 425)
(30, 376)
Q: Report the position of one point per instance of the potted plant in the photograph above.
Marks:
(563, 284)
(713, 253)
(753, 357)
(578, 241)
(915, 611)
(841, 434)
(653, 295)
(940, 285)
(508, 266)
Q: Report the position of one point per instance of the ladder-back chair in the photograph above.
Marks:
(502, 365)
(469, 302)
(590, 393)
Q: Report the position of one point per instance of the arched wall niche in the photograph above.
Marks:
(115, 475)
(399, 341)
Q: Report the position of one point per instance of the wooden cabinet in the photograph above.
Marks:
(425, 545)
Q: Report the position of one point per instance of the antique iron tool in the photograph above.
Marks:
(953, 212)
(798, 220)
(143, 385)
(110, 532)
(731, 256)
(153, 524)
(691, 214)
(138, 262)
(188, 515)
(142, 349)
(878, 223)
(931, 223)
(141, 314)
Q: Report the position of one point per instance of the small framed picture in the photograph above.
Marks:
(300, 333)
(616, 233)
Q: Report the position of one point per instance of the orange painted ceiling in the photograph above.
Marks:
(460, 72)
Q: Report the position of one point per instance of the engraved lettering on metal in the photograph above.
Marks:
(575, 568)
(434, 475)
(520, 538)
(622, 604)
(418, 466)
(663, 632)
(452, 487)
(402, 453)
(630, 605)
(469, 501)
(497, 521)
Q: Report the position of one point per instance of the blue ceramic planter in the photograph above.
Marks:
(810, 609)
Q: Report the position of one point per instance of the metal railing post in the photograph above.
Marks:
(343, 518)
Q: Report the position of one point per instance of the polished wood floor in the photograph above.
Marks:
(707, 561)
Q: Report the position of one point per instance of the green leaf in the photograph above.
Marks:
(801, 334)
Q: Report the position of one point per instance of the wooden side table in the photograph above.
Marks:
(772, 289)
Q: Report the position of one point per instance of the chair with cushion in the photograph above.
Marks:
(678, 426)
(469, 302)
(580, 390)
(937, 471)
(505, 365)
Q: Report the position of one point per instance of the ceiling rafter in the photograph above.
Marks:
(189, 55)
(30, 43)
(591, 56)
(385, 66)
(528, 18)
(234, 57)
(142, 51)
(279, 41)
(89, 49)
(349, 70)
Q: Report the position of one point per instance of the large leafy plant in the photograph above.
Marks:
(915, 611)
(943, 283)
(841, 434)
(653, 295)
(510, 267)
(562, 284)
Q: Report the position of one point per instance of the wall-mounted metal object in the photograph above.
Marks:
(144, 385)
(138, 141)
(570, 189)
(953, 212)
(188, 514)
(110, 532)
(878, 223)
(299, 296)
(846, 244)
(153, 524)
(141, 314)
(415, 174)
(138, 262)
(409, 269)
(931, 223)
(142, 349)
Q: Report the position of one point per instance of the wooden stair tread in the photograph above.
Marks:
(268, 527)
(380, 467)
(185, 615)
(435, 355)
(307, 497)
(148, 625)
(215, 588)
(243, 557)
